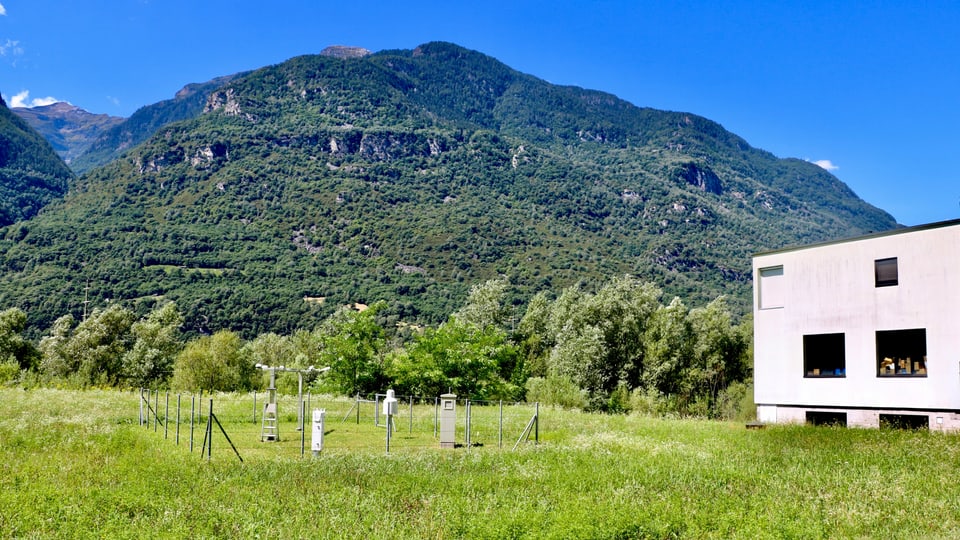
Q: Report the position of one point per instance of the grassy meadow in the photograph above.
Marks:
(78, 464)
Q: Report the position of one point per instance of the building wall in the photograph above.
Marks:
(830, 288)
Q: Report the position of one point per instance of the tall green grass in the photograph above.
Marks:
(77, 464)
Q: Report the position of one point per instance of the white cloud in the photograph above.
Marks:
(11, 47)
(17, 99)
(825, 164)
(3, 10)
(40, 102)
(20, 100)
(115, 101)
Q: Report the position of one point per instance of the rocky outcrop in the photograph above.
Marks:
(343, 51)
(700, 176)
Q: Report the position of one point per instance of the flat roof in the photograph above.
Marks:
(891, 232)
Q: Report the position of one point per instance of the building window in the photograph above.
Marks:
(902, 353)
(904, 421)
(885, 271)
(771, 289)
(824, 356)
(827, 418)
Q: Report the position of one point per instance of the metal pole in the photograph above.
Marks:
(178, 419)
(166, 413)
(436, 415)
(500, 431)
(303, 432)
(389, 420)
(140, 421)
(376, 410)
(255, 407)
(156, 410)
(304, 420)
(411, 414)
(193, 400)
(358, 408)
(300, 401)
(536, 427)
(468, 424)
(210, 432)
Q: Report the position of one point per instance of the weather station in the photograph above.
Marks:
(269, 430)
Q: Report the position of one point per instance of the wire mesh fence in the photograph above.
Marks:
(356, 423)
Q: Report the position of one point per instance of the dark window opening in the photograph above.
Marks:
(824, 356)
(885, 271)
(904, 421)
(827, 418)
(902, 353)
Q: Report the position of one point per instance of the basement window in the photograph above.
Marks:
(902, 353)
(827, 418)
(824, 355)
(885, 272)
(904, 421)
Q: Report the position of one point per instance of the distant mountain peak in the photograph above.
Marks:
(60, 107)
(68, 128)
(343, 51)
(192, 88)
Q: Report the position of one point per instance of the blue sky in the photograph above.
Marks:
(869, 89)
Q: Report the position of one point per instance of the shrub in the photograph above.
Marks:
(9, 372)
(556, 390)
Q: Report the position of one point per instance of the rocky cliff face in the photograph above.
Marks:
(700, 176)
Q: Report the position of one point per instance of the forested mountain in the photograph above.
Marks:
(31, 173)
(407, 176)
(68, 128)
(144, 122)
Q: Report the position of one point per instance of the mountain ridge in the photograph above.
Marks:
(407, 176)
(68, 128)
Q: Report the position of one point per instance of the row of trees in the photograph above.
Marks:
(613, 349)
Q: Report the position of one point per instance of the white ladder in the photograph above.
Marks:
(269, 430)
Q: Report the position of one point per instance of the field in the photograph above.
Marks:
(78, 464)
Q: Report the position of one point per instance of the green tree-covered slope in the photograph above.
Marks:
(31, 173)
(144, 122)
(407, 176)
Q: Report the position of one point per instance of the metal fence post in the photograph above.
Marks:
(411, 414)
(209, 433)
(500, 431)
(156, 410)
(254, 407)
(193, 400)
(178, 419)
(166, 413)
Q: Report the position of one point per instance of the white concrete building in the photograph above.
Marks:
(861, 331)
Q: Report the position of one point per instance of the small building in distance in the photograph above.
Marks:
(862, 331)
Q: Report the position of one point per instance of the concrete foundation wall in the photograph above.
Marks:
(862, 418)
